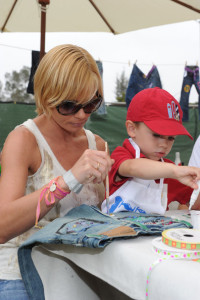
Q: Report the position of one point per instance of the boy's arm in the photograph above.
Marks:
(150, 169)
(146, 169)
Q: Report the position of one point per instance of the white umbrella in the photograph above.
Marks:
(116, 16)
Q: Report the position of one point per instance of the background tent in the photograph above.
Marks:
(116, 16)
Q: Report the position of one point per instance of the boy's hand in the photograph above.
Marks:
(188, 175)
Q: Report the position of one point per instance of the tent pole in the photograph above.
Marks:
(102, 16)
(187, 5)
(43, 4)
(8, 17)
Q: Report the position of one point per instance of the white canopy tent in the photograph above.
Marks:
(116, 16)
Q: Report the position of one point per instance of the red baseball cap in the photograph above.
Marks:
(159, 110)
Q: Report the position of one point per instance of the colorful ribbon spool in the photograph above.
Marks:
(178, 244)
(182, 238)
(171, 252)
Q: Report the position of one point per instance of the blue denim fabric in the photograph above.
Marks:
(13, 290)
(86, 226)
(139, 81)
(192, 77)
(102, 109)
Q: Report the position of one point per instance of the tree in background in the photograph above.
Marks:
(121, 87)
(16, 85)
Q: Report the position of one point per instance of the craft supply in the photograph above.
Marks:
(194, 196)
(182, 238)
(177, 159)
(107, 184)
(195, 217)
(166, 252)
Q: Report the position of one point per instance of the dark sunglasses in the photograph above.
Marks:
(68, 107)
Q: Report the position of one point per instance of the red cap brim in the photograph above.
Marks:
(167, 127)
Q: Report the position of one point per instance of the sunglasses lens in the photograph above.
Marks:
(70, 107)
(67, 108)
(92, 106)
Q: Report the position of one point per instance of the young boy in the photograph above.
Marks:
(137, 183)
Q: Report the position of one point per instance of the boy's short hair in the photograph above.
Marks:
(158, 110)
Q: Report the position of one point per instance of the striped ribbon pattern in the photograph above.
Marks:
(177, 243)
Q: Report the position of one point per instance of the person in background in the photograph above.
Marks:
(56, 164)
(194, 161)
(195, 156)
(141, 179)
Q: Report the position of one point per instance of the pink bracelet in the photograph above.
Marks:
(52, 190)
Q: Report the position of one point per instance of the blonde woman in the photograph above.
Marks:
(51, 164)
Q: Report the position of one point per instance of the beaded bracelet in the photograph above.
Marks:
(52, 191)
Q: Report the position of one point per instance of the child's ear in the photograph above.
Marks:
(130, 127)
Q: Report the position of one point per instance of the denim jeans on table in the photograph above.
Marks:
(191, 76)
(139, 81)
(13, 290)
(87, 226)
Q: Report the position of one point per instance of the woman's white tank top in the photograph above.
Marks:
(50, 168)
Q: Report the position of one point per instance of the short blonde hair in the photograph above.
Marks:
(66, 72)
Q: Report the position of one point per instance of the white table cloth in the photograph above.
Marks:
(70, 272)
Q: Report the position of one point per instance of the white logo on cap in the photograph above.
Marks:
(173, 111)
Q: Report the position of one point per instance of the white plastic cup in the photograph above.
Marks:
(195, 216)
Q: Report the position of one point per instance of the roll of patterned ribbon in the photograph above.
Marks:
(182, 238)
(178, 244)
(171, 252)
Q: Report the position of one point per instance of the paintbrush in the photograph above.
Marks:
(107, 183)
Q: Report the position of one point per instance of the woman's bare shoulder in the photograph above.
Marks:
(20, 146)
(20, 136)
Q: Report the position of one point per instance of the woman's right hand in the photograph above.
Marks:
(92, 166)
